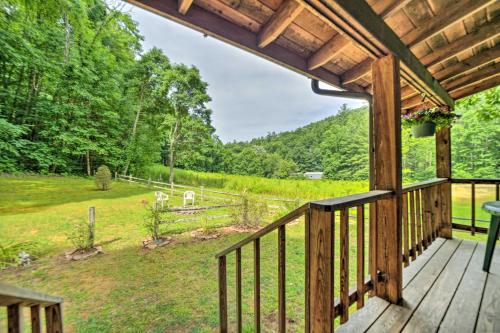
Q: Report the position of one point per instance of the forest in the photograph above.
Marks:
(78, 91)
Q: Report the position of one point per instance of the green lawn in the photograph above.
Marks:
(129, 289)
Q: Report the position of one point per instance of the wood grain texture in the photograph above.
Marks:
(281, 280)
(360, 255)
(321, 277)
(256, 290)
(406, 233)
(387, 162)
(464, 308)
(488, 319)
(344, 265)
(54, 318)
(283, 17)
(222, 295)
(328, 51)
(184, 6)
(14, 319)
(430, 312)
(239, 326)
(36, 320)
(443, 170)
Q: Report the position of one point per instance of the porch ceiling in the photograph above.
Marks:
(449, 49)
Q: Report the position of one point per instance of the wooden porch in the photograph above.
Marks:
(445, 290)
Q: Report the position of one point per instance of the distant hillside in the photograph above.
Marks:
(337, 145)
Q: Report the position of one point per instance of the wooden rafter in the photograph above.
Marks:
(213, 25)
(363, 16)
(184, 6)
(283, 17)
(474, 77)
(393, 8)
(358, 71)
(328, 51)
(474, 88)
(484, 33)
(468, 64)
(449, 16)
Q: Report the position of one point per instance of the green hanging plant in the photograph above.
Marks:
(441, 117)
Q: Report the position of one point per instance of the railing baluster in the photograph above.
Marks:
(421, 217)
(360, 234)
(406, 249)
(281, 280)
(256, 270)
(497, 195)
(222, 295)
(415, 222)
(36, 322)
(372, 230)
(307, 301)
(473, 209)
(413, 232)
(14, 319)
(344, 264)
(238, 290)
(53, 319)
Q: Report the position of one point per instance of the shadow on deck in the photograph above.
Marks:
(445, 290)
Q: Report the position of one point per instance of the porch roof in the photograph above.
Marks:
(449, 49)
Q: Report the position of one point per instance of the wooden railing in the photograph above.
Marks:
(15, 299)
(421, 216)
(473, 228)
(421, 213)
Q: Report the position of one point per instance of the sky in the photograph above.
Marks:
(251, 96)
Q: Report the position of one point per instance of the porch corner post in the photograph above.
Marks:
(386, 150)
(443, 170)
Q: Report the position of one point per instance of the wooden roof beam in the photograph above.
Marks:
(215, 26)
(280, 20)
(477, 87)
(184, 6)
(358, 71)
(328, 51)
(477, 37)
(393, 8)
(468, 64)
(364, 17)
(474, 77)
(447, 17)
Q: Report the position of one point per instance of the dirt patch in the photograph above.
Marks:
(238, 229)
(204, 234)
(271, 320)
(151, 244)
(79, 254)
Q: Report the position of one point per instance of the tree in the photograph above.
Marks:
(103, 178)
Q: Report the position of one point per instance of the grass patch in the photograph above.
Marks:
(169, 289)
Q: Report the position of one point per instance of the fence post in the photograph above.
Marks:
(149, 182)
(116, 175)
(130, 178)
(201, 193)
(91, 226)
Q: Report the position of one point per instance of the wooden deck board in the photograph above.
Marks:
(489, 313)
(445, 290)
(464, 307)
(362, 320)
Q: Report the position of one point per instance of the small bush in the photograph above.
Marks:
(9, 252)
(152, 220)
(80, 237)
(103, 178)
(251, 212)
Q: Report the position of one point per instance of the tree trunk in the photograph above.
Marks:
(134, 129)
(171, 159)
(87, 161)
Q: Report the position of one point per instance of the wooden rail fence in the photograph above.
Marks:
(16, 299)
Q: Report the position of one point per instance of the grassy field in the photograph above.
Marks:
(169, 289)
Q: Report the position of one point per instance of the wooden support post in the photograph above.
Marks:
(36, 320)
(222, 295)
(319, 266)
(14, 319)
(91, 226)
(443, 170)
(54, 318)
(387, 176)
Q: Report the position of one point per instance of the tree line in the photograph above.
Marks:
(78, 91)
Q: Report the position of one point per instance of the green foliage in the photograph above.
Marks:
(80, 235)
(103, 178)
(439, 116)
(249, 211)
(152, 220)
(9, 252)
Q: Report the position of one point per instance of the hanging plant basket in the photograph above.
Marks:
(424, 129)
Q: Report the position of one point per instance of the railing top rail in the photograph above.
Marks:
(14, 295)
(351, 200)
(424, 184)
(491, 181)
(267, 229)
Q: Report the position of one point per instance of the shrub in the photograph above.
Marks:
(9, 252)
(103, 178)
(251, 212)
(80, 237)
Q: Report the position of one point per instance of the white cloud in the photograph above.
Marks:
(251, 96)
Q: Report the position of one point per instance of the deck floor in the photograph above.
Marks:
(444, 290)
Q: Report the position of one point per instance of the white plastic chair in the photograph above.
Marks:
(189, 195)
(161, 198)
